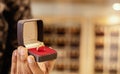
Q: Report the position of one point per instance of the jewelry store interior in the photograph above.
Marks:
(85, 34)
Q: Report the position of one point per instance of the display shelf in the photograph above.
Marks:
(106, 49)
(64, 37)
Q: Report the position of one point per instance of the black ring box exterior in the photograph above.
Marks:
(20, 36)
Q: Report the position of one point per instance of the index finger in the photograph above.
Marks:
(14, 62)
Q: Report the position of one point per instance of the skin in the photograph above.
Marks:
(24, 64)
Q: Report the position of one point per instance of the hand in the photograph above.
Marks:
(24, 64)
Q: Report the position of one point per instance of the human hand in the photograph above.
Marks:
(24, 64)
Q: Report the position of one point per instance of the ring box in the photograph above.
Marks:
(30, 35)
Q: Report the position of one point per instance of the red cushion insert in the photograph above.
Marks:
(42, 51)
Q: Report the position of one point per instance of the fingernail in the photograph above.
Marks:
(21, 51)
(15, 53)
(30, 59)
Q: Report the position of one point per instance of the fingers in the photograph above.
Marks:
(22, 54)
(19, 64)
(22, 65)
(34, 66)
(14, 62)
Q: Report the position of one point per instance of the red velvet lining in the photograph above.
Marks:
(42, 51)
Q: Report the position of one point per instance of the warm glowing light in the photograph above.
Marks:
(116, 6)
(113, 20)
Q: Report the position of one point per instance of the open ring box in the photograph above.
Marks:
(30, 35)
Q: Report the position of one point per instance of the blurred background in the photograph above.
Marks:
(85, 33)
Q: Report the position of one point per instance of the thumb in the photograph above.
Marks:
(34, 66)
(50, 65)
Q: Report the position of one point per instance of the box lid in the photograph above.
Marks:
(30, 32)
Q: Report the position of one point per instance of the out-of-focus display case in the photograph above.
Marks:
(107, 49)
(86, 42)
(64, 36)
